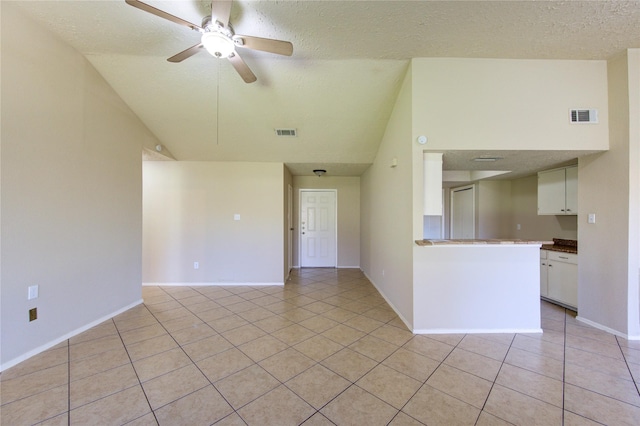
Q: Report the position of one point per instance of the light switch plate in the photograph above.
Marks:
(33, 292)
(591, 218)
(236, 216)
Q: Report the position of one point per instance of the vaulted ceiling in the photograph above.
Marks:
(338, 87)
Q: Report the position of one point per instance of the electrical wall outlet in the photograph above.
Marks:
(33, 314)
(591, 218)
(196, 265)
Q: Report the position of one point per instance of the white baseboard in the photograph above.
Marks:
(67, 336)
(402, 318)
(201, 284)
(337, 267)
(607, 329)
(477, 331)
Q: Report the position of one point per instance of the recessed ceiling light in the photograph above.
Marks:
(487, 159)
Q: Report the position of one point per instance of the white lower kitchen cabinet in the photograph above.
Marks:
(561, 278)
(543, 273)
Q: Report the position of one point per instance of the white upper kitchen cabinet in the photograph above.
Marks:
(558, 191)
(571, 185)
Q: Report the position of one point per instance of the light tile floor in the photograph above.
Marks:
(325, 349)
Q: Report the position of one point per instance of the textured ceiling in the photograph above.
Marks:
(339, 86)
(510, 164)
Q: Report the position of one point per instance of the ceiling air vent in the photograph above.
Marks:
(286, 132)
(583, 115)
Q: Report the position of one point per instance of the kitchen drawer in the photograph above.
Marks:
(559, 256)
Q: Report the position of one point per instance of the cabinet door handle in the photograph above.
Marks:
(550, 265)
(563, 257)
(561, 210)
(568, 210)
(544, 264)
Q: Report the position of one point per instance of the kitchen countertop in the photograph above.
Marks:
(561, 245)
(480, 242)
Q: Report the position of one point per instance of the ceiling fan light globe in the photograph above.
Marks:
(218, 44)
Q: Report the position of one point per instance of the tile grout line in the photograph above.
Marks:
(317, 411)
(425, 380)
(564, 362)
(316, 363)
(494, 382)
(135, 371)
(635, 383)
(383, 323)
(594, 391)
(196, 365)
(68, 383)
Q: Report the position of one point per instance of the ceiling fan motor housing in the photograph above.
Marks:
(218, 37)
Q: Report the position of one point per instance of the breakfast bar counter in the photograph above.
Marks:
(477, 242)
(476, 286)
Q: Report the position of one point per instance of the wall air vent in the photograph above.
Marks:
(583, 115)
(286, 132)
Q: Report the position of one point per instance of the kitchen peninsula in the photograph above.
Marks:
(477, 286)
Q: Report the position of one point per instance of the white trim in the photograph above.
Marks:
(607, 329)
(348, 267)
(202, 284)
(476, 330)
(290, 229)
(67, 336)
(402, 318)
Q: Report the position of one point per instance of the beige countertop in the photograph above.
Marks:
(478, 242)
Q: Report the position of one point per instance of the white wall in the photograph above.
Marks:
(387, 195)
(71, 192)
(609, 186)
(508, 104)
(188, 215)
(348, 189)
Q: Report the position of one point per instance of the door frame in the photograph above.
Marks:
(335, 194)
(290, 228)
(472, 187)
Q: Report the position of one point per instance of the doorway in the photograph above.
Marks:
(463, 213)
(318, 237)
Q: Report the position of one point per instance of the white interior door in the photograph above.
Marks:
(318, 228)
(463, 213)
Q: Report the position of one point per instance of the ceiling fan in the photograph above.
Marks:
(218, 37)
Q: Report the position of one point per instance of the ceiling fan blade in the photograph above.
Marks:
(265, 44)
(220, 11)
(240, 65)
(185, 53)
(161, 13)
